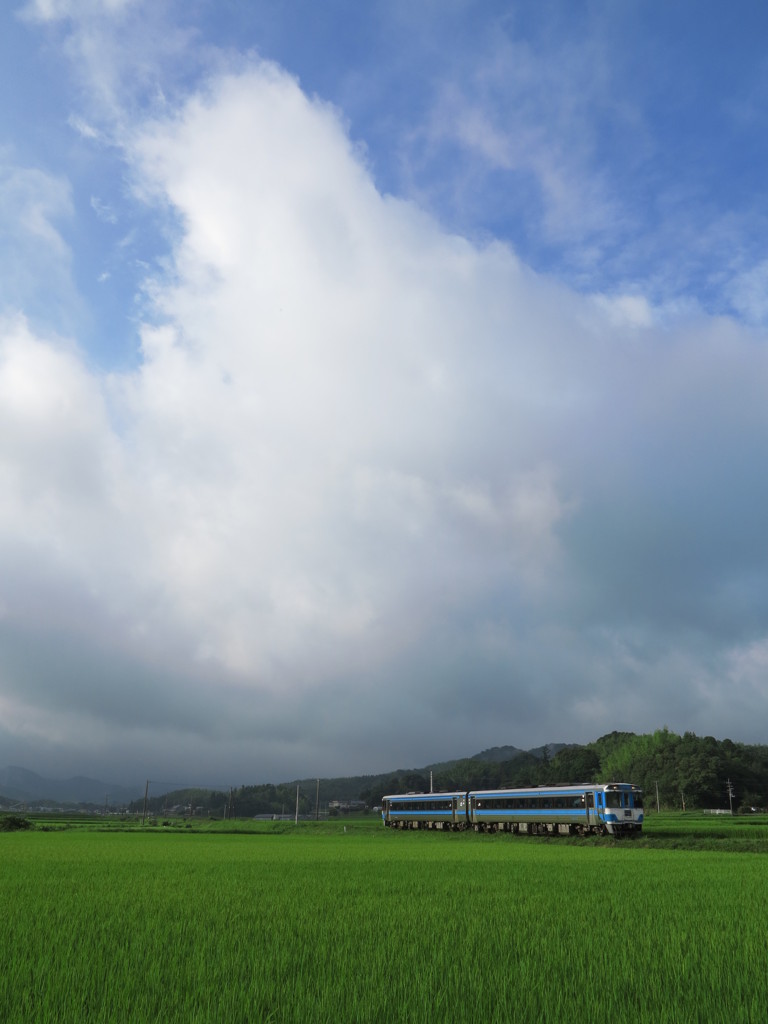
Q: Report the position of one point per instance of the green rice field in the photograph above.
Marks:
(317, 923)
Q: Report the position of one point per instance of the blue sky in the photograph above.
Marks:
(378, 383)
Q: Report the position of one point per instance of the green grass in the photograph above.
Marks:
(314, 924)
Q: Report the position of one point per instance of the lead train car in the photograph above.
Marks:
(613, 808)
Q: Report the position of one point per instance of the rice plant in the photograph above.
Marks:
(304, 927)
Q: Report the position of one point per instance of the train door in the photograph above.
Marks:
(591, 813)
(600, 802)
(460, 816)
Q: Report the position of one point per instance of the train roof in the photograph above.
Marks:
(559, 788)
(564, 787)
(434, 796)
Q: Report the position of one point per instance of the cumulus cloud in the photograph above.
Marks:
(748, 290)
(33, 206)
(57, 10)
(307, 370)
(369, 480)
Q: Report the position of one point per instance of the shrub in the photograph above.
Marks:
(14, 823)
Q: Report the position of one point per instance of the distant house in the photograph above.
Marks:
(346, 806)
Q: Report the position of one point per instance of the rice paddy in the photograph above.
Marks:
(319, 924)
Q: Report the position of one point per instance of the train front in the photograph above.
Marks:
(622, 809)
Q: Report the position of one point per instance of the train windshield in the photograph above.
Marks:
(615, 798)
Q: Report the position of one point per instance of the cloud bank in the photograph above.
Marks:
(374, 494)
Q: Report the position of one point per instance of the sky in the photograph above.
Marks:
(379, 383)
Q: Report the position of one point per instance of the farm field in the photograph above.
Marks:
(314, 923)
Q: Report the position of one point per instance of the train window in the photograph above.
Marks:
(638, 800)
(613, 799)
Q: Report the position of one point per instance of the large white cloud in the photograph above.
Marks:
(368, 479)
(336, 367)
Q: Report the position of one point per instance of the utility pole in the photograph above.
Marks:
(657, 796)
(729, 787)
(317, 802)
(146, 793)
(296, 819)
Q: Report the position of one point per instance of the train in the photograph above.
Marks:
(611, 808)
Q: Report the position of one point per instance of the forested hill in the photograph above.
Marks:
(691, 769)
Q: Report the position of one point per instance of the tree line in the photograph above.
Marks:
(686, 771)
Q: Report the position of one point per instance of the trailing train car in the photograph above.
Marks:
(425, 810)
(614, 808)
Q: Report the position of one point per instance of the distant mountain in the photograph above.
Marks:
(24, 786)
(496, 755)
(19, 785)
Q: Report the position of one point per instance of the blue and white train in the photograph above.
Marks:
(613, 808)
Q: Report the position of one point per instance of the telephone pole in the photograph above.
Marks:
(729, 787)
(146, 793)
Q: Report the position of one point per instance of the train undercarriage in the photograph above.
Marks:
(525, 828)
